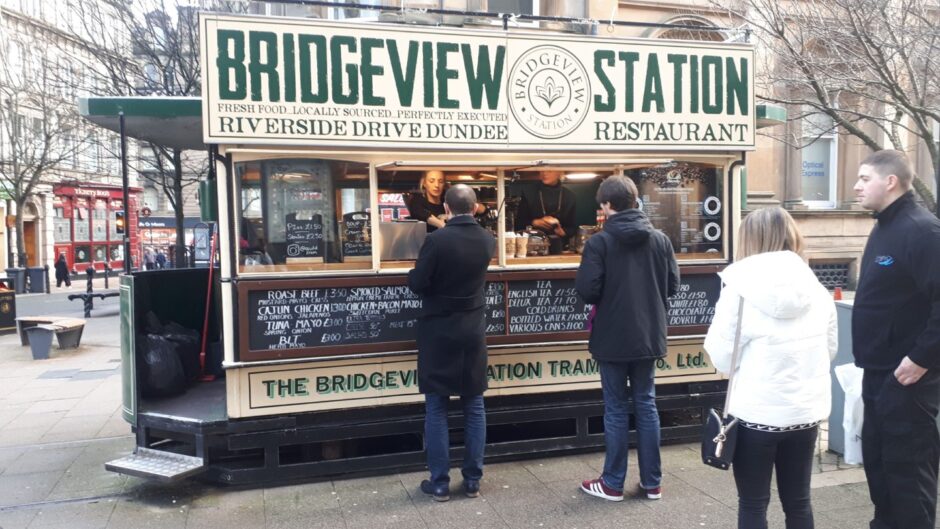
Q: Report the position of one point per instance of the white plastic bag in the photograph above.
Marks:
(850, 378)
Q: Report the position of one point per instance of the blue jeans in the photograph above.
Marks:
(437, 439)
(614, 377)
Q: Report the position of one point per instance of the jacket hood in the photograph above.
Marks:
(629, 227)
(779, 284)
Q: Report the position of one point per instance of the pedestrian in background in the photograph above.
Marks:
(160, 260)
(449, 276)
(896, 340)
(782, 387)
(62, 272)
(627, 272)
(149, 259)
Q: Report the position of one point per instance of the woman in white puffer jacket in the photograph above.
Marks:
(782, 387)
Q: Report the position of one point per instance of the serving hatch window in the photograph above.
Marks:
(302, 214)
(411, 205)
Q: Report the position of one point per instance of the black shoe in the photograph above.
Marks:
(439, 493)
(471, 488)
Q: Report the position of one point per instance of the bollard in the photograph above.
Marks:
(89, 303)
(48, 285)
(107, 272)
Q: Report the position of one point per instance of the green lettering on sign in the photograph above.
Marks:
(484, 78)
(653, 90)
(737, 86)
(368, 71)
(404, 79)
(351, 70)
(445, 74)
(232, 82)
(677, 61)
(267, 66)
(307, 60)
(629, 58)
(712, 85)
(600, 104)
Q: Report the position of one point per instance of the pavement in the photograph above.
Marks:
(60, 422)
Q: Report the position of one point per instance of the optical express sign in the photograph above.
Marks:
(284, 81)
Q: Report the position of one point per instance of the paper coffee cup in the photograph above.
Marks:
(522, 246)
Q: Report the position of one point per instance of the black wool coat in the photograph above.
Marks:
(449, 276)
(628, 271)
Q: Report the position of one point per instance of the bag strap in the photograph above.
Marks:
(735, 352)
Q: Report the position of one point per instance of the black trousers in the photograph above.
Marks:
(901, 449)
(756, 455)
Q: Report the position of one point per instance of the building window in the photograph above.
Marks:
(62, 227)
(99, 221)
(818, 168)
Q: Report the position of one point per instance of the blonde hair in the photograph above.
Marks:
(768, 230)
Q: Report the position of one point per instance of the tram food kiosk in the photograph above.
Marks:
(324, 134)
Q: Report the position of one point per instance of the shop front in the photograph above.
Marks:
(86, 228)
(333, 143)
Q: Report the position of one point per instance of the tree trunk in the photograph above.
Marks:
(21, 256)
(178, 210)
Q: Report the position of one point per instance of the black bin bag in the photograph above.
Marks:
(161, 371)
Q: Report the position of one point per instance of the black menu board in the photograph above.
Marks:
(304, 237)
(293, 318)
(495, 309)
(694, 304)
(356, 235)
(312, 317)
(543, 306)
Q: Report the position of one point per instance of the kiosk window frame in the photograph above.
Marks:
(504, 171)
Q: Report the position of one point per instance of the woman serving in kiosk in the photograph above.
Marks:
(429, 205)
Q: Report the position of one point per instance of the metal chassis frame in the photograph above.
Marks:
(219, 443)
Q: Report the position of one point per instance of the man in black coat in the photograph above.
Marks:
(627, 272)
(449, 276)
(896, 340)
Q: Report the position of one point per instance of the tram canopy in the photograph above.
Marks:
(173, 122)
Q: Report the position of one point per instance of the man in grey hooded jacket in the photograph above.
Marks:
(628, 271)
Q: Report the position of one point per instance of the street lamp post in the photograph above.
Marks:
(124, 188)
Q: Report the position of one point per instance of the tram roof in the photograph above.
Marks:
(176, 122)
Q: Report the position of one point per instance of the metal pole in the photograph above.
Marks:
(127, 204)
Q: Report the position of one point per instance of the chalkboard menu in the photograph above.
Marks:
(356, 235)
(546, 306)
(315, 317)
(304, 237)
(495, 309)
(295, 318)
(694, 304)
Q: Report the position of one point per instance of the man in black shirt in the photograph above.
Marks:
(896, 340)
(550, 208)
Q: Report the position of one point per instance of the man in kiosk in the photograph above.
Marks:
(550, 208)
(449, 276)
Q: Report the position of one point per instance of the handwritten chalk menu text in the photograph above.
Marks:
(546, 306)
(356, 235)
(314, 317)
(495, 295)
(300, 318)
(305, 237)
(694, 304)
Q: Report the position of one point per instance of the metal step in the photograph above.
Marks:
(157, 464)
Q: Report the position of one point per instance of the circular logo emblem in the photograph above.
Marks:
(549, 92)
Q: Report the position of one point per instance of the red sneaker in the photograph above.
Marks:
(596, 487)
(652, 494)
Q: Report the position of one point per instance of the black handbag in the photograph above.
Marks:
(720, 432)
